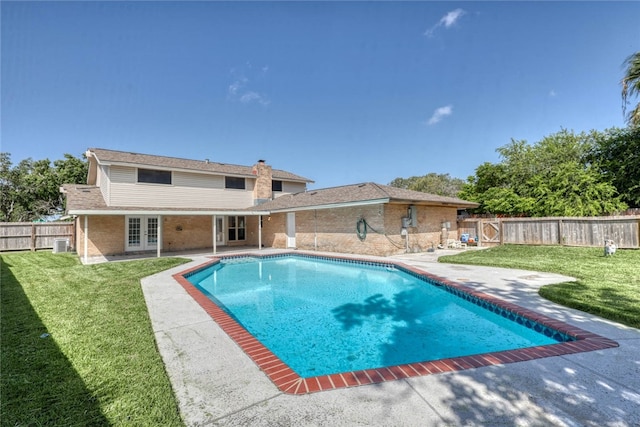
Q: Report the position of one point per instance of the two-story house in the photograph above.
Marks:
(138, 202)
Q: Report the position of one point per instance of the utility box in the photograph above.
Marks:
(413, 215)
(60, 245)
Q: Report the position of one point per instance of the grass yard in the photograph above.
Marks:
(608, 287)
(99, 365)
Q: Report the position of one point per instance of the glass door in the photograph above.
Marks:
(220, 230)
(133, 234)
(291, 229)
(236, 228)
(151, 233)
(141, 233)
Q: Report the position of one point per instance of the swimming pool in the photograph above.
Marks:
(314, 323)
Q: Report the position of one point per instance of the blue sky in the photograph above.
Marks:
(339, 92)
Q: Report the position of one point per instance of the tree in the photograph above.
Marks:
(31, 190)
(7, 196)
(550, 178)
(631, 87)
(616, 155)
(432, 183)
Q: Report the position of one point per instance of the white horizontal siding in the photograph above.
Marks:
(292, 187)
(119, 187)
(122, 174)
(197, 180)
(170, 196)
(102, 181)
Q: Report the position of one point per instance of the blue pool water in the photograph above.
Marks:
(323, 316)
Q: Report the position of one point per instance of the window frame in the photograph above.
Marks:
(236, 232)
(276, 185)
(155, 173)
(229, 180)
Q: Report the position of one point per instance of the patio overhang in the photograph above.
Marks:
(160, 213)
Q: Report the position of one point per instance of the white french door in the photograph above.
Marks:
(220, 240)
(141, 233)
(291, 229)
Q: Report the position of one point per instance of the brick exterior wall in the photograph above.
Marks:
(181, 233)
(330, 230)
(106, 235)
(428, 234)
(334, 230)
(274, 231)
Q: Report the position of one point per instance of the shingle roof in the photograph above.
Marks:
(83, 197)
(359, 193)
(88, 198)
(123, 157)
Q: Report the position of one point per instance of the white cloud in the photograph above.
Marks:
(446, 21)
(237, 86)
(240, 90)
(439, 114)
(250, 96)
(450, 18)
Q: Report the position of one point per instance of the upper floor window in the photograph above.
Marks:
(276, 185)
(154, 176)
(234, 182)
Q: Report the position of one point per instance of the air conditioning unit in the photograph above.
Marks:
(60, 245)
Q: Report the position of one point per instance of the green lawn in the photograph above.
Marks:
(608, 287)
(100, 364)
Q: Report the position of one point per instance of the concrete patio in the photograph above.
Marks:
(216, 383)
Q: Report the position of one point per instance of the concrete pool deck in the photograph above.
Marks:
(216, 383)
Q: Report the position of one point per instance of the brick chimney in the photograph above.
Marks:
(262, 190)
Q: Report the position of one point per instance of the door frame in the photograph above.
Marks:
(145, 243)
(220, 226)
(291, 229)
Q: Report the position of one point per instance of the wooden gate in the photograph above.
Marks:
(490, 230)
(486, 231)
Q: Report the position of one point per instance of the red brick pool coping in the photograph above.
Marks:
(289, 382)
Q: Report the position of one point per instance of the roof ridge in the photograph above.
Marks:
(332, 188)
(130, 157)
(170, 157)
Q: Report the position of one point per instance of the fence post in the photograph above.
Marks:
(560, 239)
(33, 237)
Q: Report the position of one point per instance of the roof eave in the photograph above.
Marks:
(203, 171)
(460, 205)
(331, 205)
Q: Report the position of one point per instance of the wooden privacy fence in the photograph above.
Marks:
(569, 231)
(16, 236)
